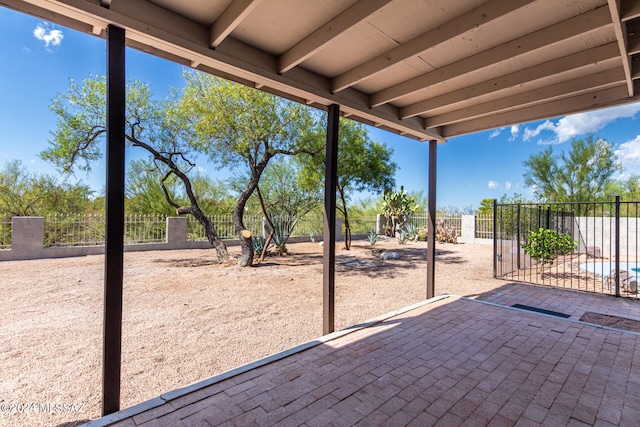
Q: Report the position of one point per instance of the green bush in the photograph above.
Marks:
(546, 245)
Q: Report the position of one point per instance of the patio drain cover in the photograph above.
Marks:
(541, 310)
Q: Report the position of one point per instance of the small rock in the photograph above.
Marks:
(389, 255)
(594, 252)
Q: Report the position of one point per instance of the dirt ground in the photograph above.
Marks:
(186, 318)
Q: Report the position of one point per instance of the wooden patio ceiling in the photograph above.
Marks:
(426, 69)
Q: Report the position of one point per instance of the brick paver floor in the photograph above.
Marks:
(451, 362)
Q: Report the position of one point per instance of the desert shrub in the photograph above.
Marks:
(546, 245)
(445, 233)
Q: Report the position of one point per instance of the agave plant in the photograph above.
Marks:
(282, 228)
(373, 237)
(258, 245)
(411, 230)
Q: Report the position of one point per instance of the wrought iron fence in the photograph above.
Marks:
(5, 232)
(305, 226)
(88, 229)
(606, 236)
(484, 226)
(74, 230)
(311, 226)
(224, 227)
(145, 228)
(363, 224)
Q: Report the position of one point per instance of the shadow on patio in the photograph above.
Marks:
(448, 361)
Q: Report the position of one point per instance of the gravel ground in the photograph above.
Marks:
(186, 318)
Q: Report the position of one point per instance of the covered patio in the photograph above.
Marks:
(447, 361)
(427, 70)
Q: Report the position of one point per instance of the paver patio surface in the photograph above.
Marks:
(452, 361)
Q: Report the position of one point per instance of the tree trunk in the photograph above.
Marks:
(347, 227)
(244, 235)
(220, 248)
(271, 227)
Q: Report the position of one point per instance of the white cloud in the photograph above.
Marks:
(507, 185)
(580, 124)
(532, 133)
(201, 169)
(515, 131)
(493, 185)
(495, 133)
(46, 33)
(629, 155)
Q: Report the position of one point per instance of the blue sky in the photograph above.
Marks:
(39, 58)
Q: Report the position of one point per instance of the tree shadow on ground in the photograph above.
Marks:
(348, 263)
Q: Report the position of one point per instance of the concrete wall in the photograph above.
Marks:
(27, 241)
(600, 232)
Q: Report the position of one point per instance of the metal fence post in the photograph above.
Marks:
(495, 238)
(518, 237)
(617, 246)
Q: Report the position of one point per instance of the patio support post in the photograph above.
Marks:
(114, 232)
(329, 237)
(617, 247)
(431, 228)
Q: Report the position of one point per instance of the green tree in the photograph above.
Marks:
(580, 175)
(486, 207)
(363, 165)
(23, 193)
(237, 125)
(152, 126)
(145, 194)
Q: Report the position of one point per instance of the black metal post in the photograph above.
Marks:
(431, 229)
(329, 251)
(518, 237)
(617, 246)
(549, 218)
(114, 243)
(495, 238)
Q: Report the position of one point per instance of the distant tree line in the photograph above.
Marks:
(589, 171)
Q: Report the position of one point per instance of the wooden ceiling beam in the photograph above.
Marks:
(599, 55)
(477, 17)
(584, 102)
(232, 16)
(630, 10)
(620, 29)
(557, 33)
(601, 80)
(327, 33)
